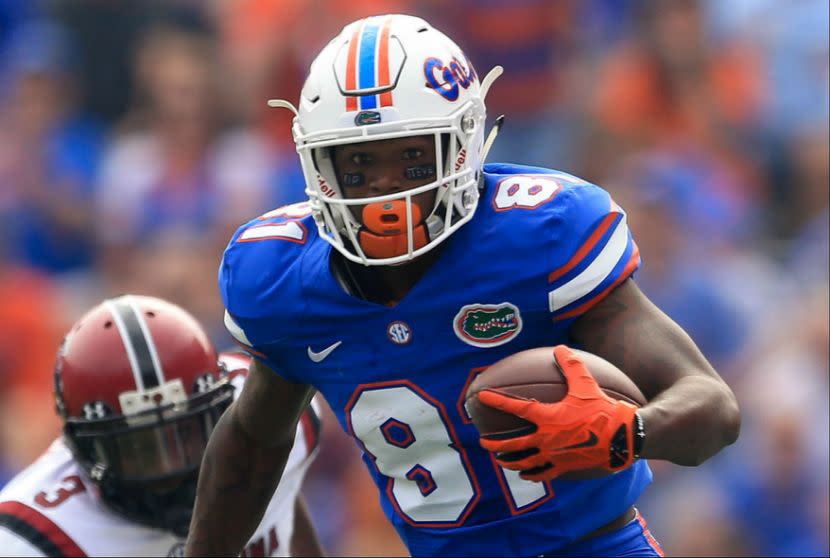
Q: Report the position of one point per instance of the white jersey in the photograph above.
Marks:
(52, 509)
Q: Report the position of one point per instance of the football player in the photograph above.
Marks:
(139, 388)
(411, 268)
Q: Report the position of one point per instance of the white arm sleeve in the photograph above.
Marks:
(12, 544)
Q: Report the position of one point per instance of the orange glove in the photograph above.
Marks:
(585, 430)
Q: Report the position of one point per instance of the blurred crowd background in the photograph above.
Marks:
(134, 138)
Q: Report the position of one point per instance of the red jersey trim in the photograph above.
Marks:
(311, 429)
(39, 530)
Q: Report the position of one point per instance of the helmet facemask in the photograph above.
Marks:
(146, 465)
(455, 185)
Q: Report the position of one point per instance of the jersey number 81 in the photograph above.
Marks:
(409, 436)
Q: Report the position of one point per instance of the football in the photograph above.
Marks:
(534, 374)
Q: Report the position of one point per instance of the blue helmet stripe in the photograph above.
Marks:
(368, 102)
(367, 73)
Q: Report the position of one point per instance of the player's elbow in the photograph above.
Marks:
(723, 429)
(730, 417)
(727, 425)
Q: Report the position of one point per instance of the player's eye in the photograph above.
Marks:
(361, 158)
(412, 153)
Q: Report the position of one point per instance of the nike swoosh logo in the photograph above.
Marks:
(318, 357)
(591, 441)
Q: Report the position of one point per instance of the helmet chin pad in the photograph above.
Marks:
(384, 232)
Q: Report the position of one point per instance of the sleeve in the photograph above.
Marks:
(594, 252)
(249, 293)
(259, 351)
(26, 532)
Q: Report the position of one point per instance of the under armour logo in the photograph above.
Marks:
(95, 410)
(204, 383)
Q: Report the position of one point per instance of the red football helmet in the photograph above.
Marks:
(139, 387)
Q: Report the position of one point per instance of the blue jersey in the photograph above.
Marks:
(542, 248)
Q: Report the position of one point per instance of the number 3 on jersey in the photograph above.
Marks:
(524, 192)
(69, 486)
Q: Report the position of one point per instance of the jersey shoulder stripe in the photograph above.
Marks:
(37, 529)
(632, 262)
(594, 251)
(596, 237)
(593, 267)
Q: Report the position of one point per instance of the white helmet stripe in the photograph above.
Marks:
(151, 343)
(122, 330)
(135, 343)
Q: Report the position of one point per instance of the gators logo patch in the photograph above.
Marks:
(367, 117)
(487, 325)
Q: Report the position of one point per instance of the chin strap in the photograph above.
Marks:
(491, 137)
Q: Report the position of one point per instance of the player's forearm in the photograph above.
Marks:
(691, 413)
(690, 422)
(237, 479)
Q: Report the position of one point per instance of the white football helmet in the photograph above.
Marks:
(388, 77)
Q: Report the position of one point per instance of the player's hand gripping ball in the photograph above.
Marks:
(556, 412)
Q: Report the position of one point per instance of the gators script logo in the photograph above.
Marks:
(487, 325)
(447, 79)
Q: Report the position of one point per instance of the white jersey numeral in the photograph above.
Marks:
(524, 192)
(293, 211)
(408, 438)
(56, 495)
(289, 230)
(411, 440)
